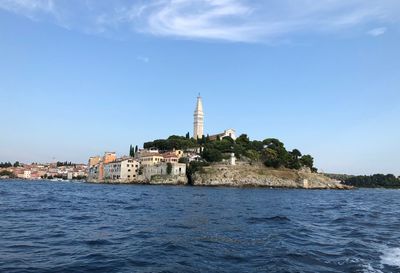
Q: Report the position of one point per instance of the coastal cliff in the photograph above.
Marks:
(247, 175)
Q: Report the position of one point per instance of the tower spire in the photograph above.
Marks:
(198, 123)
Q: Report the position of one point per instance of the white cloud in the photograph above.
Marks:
(229, 20)
(28, 7)
(377, 31)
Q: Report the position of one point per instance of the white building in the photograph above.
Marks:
(227, 133)
(122, 170)
(178, 169)
(27, 174)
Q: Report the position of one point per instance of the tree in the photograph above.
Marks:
(212, 155)
(136, 149)
(169, 168)
(307, 161)
(296, 153)
(183, 160)
(16, 164)
(253, 155)
(243, 140)
(271, 158)
(187, 135)
(131, 151)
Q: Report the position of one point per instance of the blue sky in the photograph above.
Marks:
(78, 78)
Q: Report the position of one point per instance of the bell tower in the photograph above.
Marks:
(198, 124)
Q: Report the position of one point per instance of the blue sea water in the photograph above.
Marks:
(79, 227)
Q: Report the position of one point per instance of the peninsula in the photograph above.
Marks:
(221, 159)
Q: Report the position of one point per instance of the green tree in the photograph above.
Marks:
(271, 158)
(16, 164)
(212, 155)
(307, 161)
(169, 168)
(253, 155)
(187, 135)
(131, 151)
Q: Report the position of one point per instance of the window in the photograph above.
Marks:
(129, 176)
(129, 170)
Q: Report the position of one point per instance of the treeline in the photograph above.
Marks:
(173, 142)
(374, 181)
(65, 163)
(270, 151)
(9, 165)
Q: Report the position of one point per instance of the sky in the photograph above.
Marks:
(78, 78)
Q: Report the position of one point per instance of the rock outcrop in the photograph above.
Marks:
(259, 176)
(168, 180)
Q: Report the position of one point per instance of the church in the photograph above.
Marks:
(198, 124)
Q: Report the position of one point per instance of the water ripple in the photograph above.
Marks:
(78, 227)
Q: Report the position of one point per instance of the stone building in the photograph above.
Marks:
(198, 124)
(122, 170)
(178, 169)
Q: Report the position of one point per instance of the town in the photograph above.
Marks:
(152, 163)
(142, 165)
(36, 171)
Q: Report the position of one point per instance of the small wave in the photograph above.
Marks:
(258, 220)
(369, 269)
(98, 242)
(391, 257)
(80, 217)
(131, 207)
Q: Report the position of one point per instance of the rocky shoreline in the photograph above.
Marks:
(260, 176)
(245, 175)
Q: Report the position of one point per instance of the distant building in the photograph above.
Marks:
(198, 124)
(227, 133)
(27, 174)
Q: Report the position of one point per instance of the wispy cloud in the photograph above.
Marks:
(377, 31)
(229, 20)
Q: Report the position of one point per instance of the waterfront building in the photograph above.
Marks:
(95, 170)
(109, 157)
(94, 160)
(198, 124)
(149, 159)
(170, 157)
(178, 169)
(122, 170)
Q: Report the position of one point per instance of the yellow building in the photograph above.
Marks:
(150, 159)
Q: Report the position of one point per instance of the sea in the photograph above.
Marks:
(79, 227)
